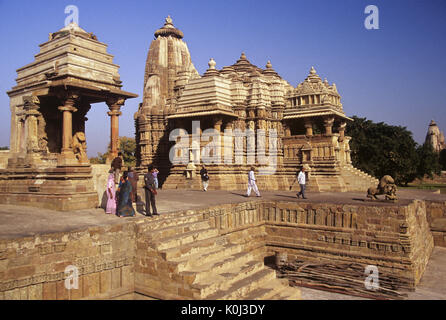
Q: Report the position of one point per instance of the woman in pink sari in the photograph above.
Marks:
(111, 194)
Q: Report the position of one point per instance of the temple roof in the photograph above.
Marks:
(243, 65)
(72, 28)
(71, 57)
(169, 30)
(313, 84)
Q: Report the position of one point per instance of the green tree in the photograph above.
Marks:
(126, 145)
(442, 159)
(380, 149)
(4, 148)
(428, 161)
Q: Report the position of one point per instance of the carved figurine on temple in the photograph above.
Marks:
(386, 186)
(79, 147)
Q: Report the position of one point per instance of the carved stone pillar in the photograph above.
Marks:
(342, 131)
(67, 155)
(31, 107)
(308, 127)
(328, 124)
(31, 113)
(228, 144)
(287, 130)
(114, 105)
(217, 126)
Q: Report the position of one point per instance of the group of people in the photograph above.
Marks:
(300, 178)
(122, 191)
(120, 200)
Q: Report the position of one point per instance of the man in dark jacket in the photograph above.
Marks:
(116, 166)
(150, 191)
(204, 178)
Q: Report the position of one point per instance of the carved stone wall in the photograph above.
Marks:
(136, 256)
(34, 267)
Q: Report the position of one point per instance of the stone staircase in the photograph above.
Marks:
(357, 180)
(204, 264)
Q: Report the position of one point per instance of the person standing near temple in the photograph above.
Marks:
(125, 207)
(204, 178)
(133, 178)
(155, 177)
(150, 191)
(117, 166)
(111, 193)
(252, 183)
(301, 180)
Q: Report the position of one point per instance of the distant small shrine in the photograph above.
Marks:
(48, 165)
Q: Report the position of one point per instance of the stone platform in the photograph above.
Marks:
(207, 245)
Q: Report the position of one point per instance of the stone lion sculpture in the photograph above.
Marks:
(385, 186)
(79, 146)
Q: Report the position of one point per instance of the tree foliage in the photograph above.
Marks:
(380, 149)
(126, 145)
(442, 159)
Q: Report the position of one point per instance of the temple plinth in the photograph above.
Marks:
(48, 164)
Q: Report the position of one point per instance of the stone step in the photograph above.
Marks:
(185, 238)
(287, 293)
(208, 269)
(223, 282)
(239, 289)
(171, 231)
(196, 247)
(206, 254)
(273, 288)
(165, 221)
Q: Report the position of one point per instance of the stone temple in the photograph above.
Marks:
(301, 126)
(435, 137)
(48, 165)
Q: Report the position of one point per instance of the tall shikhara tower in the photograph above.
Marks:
(168, 60)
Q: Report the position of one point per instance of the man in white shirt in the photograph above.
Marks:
(301, 181)
(252, 183)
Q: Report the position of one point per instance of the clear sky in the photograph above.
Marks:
(396, 74)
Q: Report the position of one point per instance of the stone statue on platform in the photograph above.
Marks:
(386, 186)
(79, 145)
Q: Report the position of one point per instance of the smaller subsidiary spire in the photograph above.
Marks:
(212, 71)
(212, 63)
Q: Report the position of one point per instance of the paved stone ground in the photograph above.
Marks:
(20, 221)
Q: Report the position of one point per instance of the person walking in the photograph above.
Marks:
(204, 177)
(117, 166)
(252, 183)
(150, 191)
(301, 181)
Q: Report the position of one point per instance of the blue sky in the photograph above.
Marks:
(395, 74)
